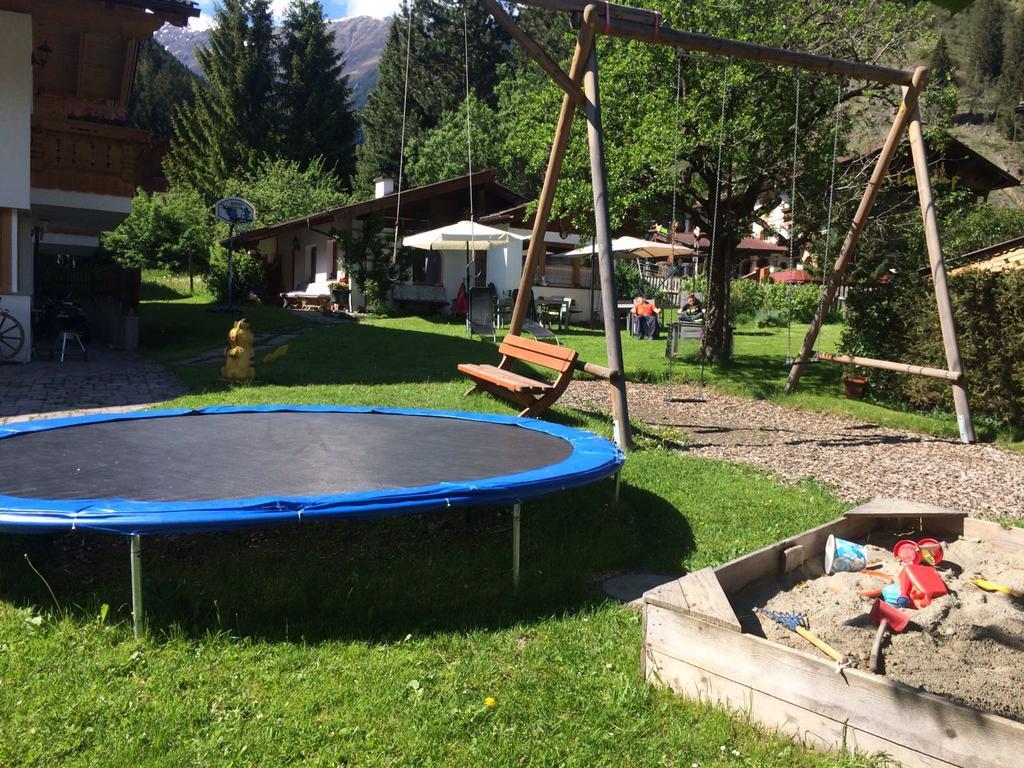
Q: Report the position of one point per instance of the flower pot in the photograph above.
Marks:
(854, 386)
(340, 297)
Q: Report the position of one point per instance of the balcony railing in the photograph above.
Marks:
(82, 156)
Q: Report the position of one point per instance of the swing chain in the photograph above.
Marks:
(401, 152)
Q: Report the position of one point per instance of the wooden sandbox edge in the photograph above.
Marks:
(695, 646)
(805, 697)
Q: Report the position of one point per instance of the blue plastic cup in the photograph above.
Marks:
(843, 555)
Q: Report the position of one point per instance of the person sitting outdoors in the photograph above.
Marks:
(645, 318)
(693, 310)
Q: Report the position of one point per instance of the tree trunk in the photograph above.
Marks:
(716, 343)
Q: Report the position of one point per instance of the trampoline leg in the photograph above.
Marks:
(516, 512)
(136, 551)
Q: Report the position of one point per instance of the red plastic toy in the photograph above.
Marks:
(928, 551)
(921, 583)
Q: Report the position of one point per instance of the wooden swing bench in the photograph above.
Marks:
(534, 396)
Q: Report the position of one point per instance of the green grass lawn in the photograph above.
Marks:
(175, 325)
(377, 643)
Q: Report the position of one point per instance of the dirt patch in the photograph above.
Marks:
(967, 645)
(857, 460)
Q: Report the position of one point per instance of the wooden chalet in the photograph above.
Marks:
(1000, 257)
(70, 162)
(303, 251)
(953, 160)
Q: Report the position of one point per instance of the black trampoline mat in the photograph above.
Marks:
(204, 457)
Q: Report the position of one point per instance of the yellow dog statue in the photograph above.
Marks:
(239, 356)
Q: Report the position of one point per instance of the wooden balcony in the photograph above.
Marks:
(82, 156)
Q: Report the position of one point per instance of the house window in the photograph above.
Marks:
(312, 263)
(426, 268)
(567, 272)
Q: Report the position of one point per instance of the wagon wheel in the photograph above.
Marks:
(12, 336)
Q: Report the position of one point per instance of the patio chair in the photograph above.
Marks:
(565, 313)
(480, 318)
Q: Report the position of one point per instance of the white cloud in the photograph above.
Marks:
(379, 9)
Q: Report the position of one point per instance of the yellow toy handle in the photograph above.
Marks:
(820, 644)
(989, 586)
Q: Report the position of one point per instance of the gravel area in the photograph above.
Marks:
(858, 460)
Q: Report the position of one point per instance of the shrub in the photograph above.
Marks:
(774, 303)
(250, 274)
(899, 322)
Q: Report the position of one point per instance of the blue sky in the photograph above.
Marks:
(335, 9)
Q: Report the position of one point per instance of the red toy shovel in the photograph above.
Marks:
(887, 617)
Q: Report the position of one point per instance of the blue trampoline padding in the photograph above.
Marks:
(591, 458)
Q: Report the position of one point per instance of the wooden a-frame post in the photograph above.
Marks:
(642, 25)
(907, 121)
(584, 65)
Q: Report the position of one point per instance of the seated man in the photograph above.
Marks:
(693, 310)
(646, 318)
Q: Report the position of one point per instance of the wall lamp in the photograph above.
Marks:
(41, 54)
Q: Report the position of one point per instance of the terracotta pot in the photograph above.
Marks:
(854, 386)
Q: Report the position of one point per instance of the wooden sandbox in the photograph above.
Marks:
(694, 643)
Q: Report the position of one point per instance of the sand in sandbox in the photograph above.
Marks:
(967, 645)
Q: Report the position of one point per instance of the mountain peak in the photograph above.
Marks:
(360, 39)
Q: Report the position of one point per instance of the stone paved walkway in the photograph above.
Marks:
(108, 381)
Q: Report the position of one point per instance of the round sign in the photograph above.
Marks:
(234, 210)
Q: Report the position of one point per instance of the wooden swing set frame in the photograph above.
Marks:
(642, 25)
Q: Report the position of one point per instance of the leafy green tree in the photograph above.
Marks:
(436, 77)
(314, 94)
(1011, 82)
(162, 231)
(638, 95)
(985, 39)
(162, 83)
(441, 153)
(282, 190)
(233, 121)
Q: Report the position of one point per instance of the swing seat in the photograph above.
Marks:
(534, 396)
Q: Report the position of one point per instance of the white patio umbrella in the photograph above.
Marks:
(634, 246)
(461, 235)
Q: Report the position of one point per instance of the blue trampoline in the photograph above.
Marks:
(219, 468)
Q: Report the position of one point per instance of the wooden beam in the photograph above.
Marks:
(645, 26)
(131, 60)
(83, 52)
(8, 252)
(606, 259)
(598, 371)
(886, 365)
(535, 251)
(934, 246)
(532, 47)
(892, 141)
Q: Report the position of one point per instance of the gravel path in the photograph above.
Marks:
(858, 460)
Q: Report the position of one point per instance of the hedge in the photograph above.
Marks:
(900, 322)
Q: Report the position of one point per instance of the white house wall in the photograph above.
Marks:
(15, 109)
(453, 271)
(505, 266)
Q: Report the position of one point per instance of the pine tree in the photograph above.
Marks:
(313, 93)
(436, 77)
(985, 40)
(161, 84)
(233, 122)
(1011, 82)
(942, 65)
